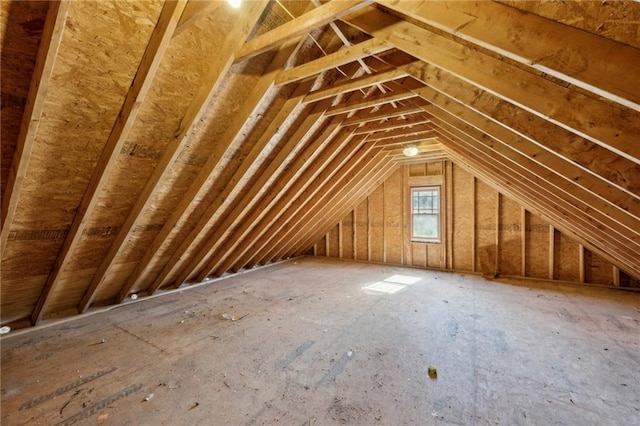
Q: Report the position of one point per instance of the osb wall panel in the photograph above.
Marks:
(89, 85)
(566, 266)
(334, 242)
(463, 211)
(393, 218)
(536, 247)
(628, 281)
(597, 269)
(361, 231)
(486, 201)
(419, 255)
(473, 202)
(347, 236)
(510, 241)
(21, 27)
(178, 79)
(321, 247)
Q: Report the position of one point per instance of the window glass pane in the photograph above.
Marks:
(425, 226)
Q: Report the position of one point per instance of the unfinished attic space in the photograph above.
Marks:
(320, 212)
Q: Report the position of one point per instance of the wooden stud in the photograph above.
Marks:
(616, 276)
(448, 183)
(346, 203)
(496, 267)
(340, 164)
(351, 167)
(587, 227)
(552, 239)
(340, 239)
(545, 142)
(384, 228)
(326, 244)
(365, 182)
(473, 223)
(493, 139)
(523, 241)
(581, 264)
(355, 235)
(369, 228)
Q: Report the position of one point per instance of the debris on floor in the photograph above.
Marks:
(195, 404)
(232, 317)
(432, 372)
(148, 397)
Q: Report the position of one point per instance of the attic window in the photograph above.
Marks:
(425, 214)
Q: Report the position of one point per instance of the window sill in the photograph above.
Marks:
(427, 241)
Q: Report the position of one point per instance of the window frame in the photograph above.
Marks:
(438, 214)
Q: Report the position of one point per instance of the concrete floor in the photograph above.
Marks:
(325, 342)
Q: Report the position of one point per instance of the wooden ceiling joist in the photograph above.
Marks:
(334, 60)
(193, 115)
(300, 26)
(393, 123)
(420, 129)
(349, 85)
(385, 112)
(368, 102)
(47, 53)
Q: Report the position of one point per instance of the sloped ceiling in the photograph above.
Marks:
(150, 144)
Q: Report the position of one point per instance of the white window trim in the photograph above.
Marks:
(414, 239)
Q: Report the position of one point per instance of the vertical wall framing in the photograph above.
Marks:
(482, 231)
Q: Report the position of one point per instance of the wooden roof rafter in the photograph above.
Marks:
(505, 80)
(208, 87)
(47, 53)
(185, 269)
(149, 64)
